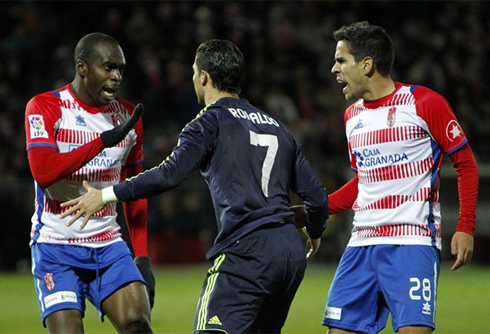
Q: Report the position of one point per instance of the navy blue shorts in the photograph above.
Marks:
(372, 281)
(251, 285)
(65, 275)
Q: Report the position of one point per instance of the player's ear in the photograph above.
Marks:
(368, 65)
(81, 68)
(204, 77)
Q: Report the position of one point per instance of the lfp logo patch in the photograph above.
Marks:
(38, 127)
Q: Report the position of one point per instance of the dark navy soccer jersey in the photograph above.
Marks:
(249, 160)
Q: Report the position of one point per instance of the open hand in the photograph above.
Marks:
(86, 205)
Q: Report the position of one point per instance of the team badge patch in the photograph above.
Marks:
(48, 279)
(453, 130)
(115, 120)
(38, 127)
(391, 117)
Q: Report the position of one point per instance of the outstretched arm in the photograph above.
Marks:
(48, 166)
(86, 205)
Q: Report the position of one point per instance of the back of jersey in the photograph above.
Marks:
(250, 167)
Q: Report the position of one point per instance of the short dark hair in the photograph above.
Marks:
(85, 49)
(366, 40)
(224, 62)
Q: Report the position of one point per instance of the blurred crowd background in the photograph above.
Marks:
(288, 49)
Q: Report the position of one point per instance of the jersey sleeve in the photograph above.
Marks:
(42, 113)
(467, 170)
(195, 141)
(312, 193)
(343, 198)
(448, 134)
(443, 125)
(47, 165)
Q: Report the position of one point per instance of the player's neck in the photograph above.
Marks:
(214, 95)
(380, 87)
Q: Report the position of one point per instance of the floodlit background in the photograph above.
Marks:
(288, 48)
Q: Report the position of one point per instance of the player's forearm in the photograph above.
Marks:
(344, 198)
(467, 170)
(169, 174)
(48, 166)
(316, 206)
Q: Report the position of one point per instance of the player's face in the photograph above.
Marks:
(348, 72)
(196, 79)
(104, 75)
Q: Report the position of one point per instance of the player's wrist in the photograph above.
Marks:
(108, 195)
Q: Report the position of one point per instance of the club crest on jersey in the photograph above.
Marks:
(453, 130)
(37, 126)
(48, 279)
(115, 119)
(391, 117)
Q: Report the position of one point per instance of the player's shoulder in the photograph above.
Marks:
(46, 103)
(353, 110)
(424, 94)
(49, 97)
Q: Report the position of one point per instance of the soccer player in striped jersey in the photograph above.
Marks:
(397, 135)
(250, 161)
(79, 132)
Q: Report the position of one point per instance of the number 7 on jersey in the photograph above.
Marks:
(269, 141)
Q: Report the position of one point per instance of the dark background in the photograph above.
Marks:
(288, 48)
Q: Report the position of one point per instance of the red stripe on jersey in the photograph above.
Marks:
(395, 231)
(354, 110)
(104, 236)
(394, 201)
(387, 135)
(401, 100)
(96, 175)
(75, 136)
(78, 137)
(114, 107)
(395, 172)
(53, 206)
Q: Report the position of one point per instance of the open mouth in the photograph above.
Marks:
(110, 93)
(342, 82)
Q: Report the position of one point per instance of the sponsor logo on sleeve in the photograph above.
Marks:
(453, 130)
(37, 126)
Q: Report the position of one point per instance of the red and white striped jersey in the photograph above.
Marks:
(58, 119)
(396, 145)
